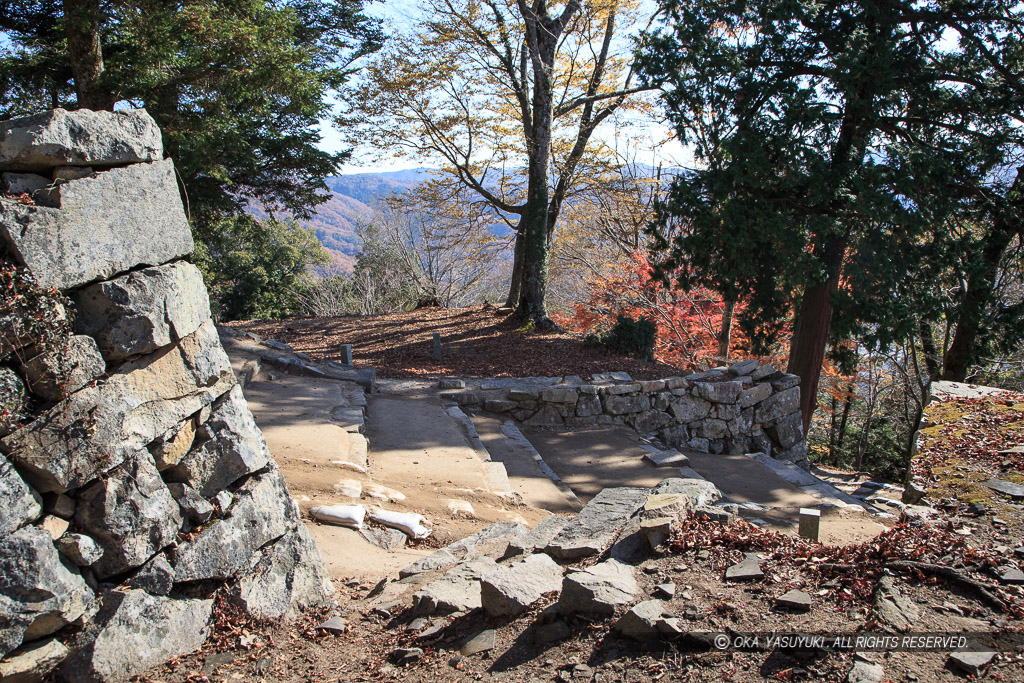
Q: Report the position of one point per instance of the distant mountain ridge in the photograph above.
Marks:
(353, 200)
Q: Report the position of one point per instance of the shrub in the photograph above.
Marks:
(633, 337)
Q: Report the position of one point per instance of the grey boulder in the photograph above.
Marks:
(18, 506)
(144, 310)
(97, 428)
(231, 447)
(511, 590)
(596, 526)
(598, 589)
(56, 375)
(262, 511)
(106, 225)
(130, 513)
(285, 579)
(38, 594)
(135, 631)
(79, 138)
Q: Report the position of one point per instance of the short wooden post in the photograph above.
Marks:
(437, 346)
(346, 354)
(810, 523)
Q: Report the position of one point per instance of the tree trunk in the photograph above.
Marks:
(725, 334)
(810, 332)
(515, 287)
(931, 354)
(1006, 223)
(82, 28)
(846, 417)
(971, 311)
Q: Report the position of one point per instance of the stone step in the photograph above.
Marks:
(810, 484)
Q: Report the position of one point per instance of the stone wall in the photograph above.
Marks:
(745, 408)
(138, 485)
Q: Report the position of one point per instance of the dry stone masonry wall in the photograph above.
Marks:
(746, 408)
(140, 486)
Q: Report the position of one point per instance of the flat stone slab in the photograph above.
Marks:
(973, 663)
(1015, 491)
(596, 526)
(667, 459)
(795, 600)
(492, 540)
(1011, 575)
(481, 642)
(598, 589)
(106, 225)
(457, 591)
(747, 570)
(79, 138)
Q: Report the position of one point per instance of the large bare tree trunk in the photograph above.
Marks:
(82, 28)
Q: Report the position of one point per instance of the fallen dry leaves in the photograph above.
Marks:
(476, 342)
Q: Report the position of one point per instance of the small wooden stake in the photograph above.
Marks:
(810, 523)
(437, 346)
(346, 354)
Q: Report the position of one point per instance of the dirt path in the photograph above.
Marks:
(595, 459)
(744, 480)
(524, 473)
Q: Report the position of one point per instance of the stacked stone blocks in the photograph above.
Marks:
(747, 407)
(139, 485)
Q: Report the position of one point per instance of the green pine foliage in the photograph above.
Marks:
(840, 142)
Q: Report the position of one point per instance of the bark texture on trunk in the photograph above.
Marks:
(82, 29)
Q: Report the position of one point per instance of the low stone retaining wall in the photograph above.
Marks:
(746, 408)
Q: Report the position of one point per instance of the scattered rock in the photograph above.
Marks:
(973, 663)
(352, 488)
(699, 491)
(894, 609)
(388, 539)
(492, 540)
(404, 656)
(598, 589)
(384, 493)
(665, 591)
(747, 570)
(1011, 575)
(335, 625)
(1014, 491)
(451, 384)
(795, 600)
(670, 458)
(865, 672)
(641, 621)
(458, 590)
(511, 590)
(481, 642)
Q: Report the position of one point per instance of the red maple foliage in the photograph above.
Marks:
(687, 322)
